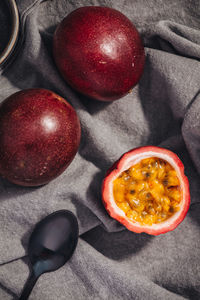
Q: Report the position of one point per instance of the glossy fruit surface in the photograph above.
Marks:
(99, 52)
(39, 136)
(146, 190)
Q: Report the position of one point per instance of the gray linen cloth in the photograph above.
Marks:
(163, 109)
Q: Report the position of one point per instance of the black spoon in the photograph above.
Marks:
(51, 245)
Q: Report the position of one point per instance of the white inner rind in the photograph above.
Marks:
(129, 162)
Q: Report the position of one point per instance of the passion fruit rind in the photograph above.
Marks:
(125, 162)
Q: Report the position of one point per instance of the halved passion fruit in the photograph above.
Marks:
(147, 191)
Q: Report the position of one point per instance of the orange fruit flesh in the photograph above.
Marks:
(148, 192)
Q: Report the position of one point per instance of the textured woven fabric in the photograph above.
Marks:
(163, 109)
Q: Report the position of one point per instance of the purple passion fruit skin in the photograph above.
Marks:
(39, 136)
(99, 52)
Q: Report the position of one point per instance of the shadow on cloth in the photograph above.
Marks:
(153, 92)
(47, 37)
(116, 245)
(158, 43)
(94, 194)
(91, 105)
(10, 190)
(194, 212)
(36, 69)
(188, 292)
(25, 238)
(9, 292)
(93, 206)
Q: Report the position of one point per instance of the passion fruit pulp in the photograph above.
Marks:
(146, 190)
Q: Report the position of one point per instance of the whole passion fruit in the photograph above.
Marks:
(39, 136)
(99, 52)
(146, 190)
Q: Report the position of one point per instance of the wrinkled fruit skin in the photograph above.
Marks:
(124, 162)
(99, 52)
(39, 136)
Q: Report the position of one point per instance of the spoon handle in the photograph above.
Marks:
(28, 286)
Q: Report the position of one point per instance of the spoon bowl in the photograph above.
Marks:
(51, 245)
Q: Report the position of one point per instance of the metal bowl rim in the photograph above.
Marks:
(14, 34)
